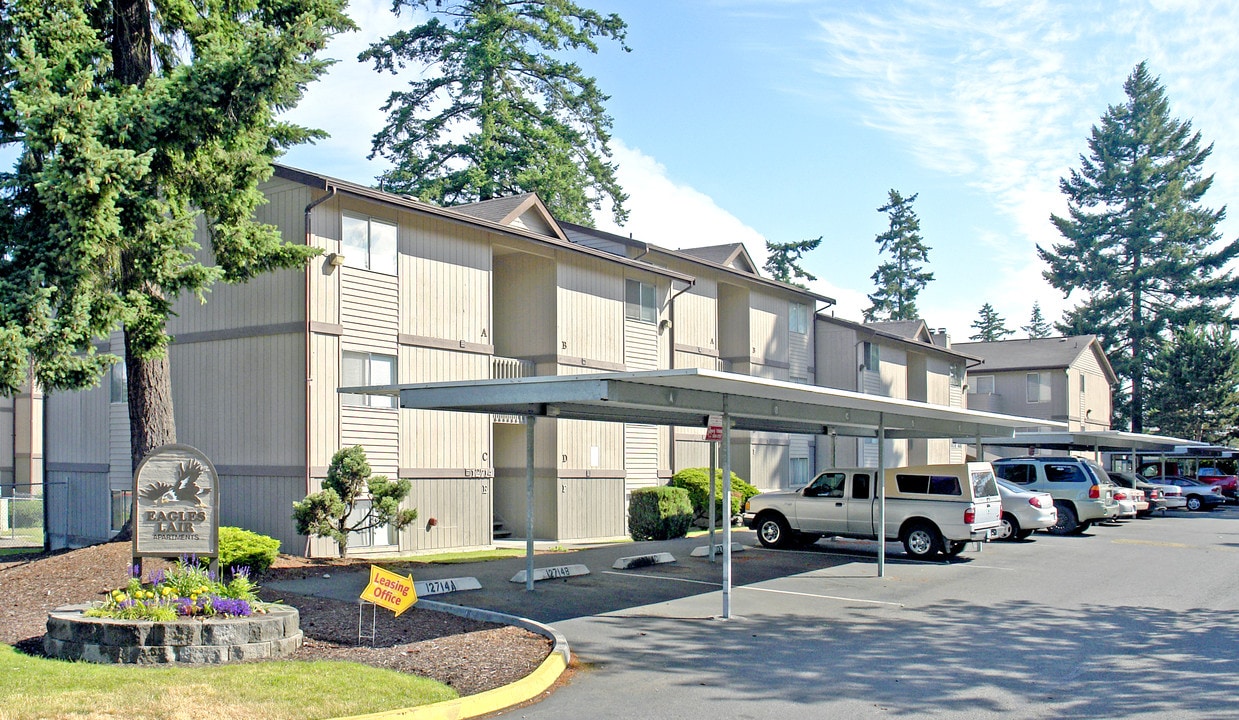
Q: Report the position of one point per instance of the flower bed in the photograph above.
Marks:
(271, 634)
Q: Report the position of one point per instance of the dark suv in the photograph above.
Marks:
(1082, 491)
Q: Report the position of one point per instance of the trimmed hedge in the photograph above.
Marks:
(242, 548)
(659, 513)
(697, 482)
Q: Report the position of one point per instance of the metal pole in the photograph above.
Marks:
(713, 493)
(529, 503)
(726, 511)
(881, 482)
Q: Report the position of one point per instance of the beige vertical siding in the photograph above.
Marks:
(509, 485)
(893, 371)
(1096, 397)
(591, 310)
(591, 508)
(435, 439)
(325, 357)
(768, 336)
(836, 356)
(77, 427)
(696, 316)
(263, 504)
(524, 306)
(734, 326)
(461, 509)
(79, 508)
(7, 460)
(445, 281)
(769, 467)
(243, 400)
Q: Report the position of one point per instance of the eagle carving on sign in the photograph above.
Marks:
(185, 489)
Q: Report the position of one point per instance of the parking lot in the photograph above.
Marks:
(1136, 619)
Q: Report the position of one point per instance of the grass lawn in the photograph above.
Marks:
(41, 688)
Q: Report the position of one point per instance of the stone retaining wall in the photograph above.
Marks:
(261, 636)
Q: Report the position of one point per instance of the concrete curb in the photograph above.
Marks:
(527, 688)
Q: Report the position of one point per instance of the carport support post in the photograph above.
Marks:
(713, 493)
(529, 502)
(880, 481)
(726, 450)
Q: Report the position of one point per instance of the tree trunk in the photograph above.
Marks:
(131, 41)
(151, 419)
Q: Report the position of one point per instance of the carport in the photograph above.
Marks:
(687, 397)
(1101, 441)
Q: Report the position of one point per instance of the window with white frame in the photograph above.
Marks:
(869, 356)
(981, 385)
(119, 383)
(368, 243)
(798, 318)
(359, 368)
(1038, 387)
(369, 536)
(957, 375)
(800, 472)
(640, 301)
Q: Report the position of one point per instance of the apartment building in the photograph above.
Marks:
(1067, 379)
(900, 359)
(411, 292)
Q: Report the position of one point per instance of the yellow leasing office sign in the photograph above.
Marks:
(390, 590)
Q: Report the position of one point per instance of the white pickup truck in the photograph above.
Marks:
(931, 509)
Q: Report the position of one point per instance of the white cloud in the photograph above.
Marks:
(672, 215)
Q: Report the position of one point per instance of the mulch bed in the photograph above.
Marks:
(468, 655)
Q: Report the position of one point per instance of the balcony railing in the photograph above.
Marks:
(502, 368)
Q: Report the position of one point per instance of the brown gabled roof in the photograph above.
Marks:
(899, 335)
(505, 210)
(915, 330)
(333, 185)
(1037, 354)
(732, 255)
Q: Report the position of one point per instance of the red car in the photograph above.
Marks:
(1229, 484)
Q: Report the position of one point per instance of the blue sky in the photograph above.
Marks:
(738, 121)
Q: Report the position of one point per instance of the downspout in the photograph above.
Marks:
(309, 210)
(671, 363)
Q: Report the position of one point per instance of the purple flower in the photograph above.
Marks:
(211, 575)
(241, 572)
(230, 606)
(155, 577)
(135, 570)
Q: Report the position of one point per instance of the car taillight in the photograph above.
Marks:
(1094, 492)
(1120, 495)
(1036, 501)
(970, 515)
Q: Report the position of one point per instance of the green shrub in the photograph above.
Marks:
(27, 513)
(697, 482)
(242, 548)
(659, 513)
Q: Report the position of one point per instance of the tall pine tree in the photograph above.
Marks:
(1037, 326)
(901, 278)
(494, 110)
(1195, 385)
(783, 262)
(134, 119)
(989, 325)
(1138, 244)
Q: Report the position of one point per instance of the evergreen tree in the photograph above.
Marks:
(333, 511)
(1037, 326)
(989, 325)
(1194, 385)
(900, 279)
(501, 112)
(134, 120)
(1139, 246)
(783, 262)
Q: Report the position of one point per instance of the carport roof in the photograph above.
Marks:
(1096, 440)
(687, 397)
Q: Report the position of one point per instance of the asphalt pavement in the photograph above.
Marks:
(1137, 619)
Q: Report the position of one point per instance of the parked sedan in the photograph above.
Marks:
(1024, 511)
(1155, 495)
(1198, 495)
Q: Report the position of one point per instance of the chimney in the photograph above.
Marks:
(941, 338)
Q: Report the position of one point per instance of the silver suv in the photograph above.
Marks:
(1082, 492)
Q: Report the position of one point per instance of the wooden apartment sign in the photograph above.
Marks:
(175, 504)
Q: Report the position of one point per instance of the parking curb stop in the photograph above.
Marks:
(484, 703)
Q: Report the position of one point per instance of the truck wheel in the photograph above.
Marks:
(1067, 521)
(921, 540)
(1194, 503)
(773, 532)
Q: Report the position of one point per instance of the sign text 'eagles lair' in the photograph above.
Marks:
(176, 504)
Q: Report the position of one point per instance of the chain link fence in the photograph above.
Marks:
(21, 520)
